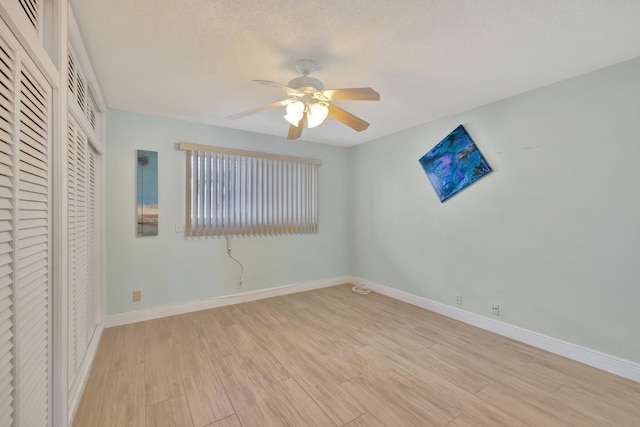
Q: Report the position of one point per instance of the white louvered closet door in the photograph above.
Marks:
(82, 229)
(25, 239)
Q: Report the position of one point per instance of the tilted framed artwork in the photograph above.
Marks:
(454, 163)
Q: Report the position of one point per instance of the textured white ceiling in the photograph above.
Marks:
(195, 59)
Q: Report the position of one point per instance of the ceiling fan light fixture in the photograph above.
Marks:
(294, 112)
(308, 102)
(317, 113)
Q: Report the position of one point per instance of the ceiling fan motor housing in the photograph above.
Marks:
(304, 82)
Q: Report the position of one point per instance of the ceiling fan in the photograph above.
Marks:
(308, 102)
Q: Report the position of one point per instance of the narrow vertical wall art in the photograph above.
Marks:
(147, 192)
(454, 164)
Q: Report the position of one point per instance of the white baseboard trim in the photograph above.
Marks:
(75, 392)
(606, 362)
(172, 310)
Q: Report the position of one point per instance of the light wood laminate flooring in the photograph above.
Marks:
(334, 358)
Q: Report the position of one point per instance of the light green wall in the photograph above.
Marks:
(551, 235)
(171, 269)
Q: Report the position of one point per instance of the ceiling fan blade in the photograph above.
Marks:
(289, 90)
(351, 94)
(347, 118)
(260, 109)
(296, 131)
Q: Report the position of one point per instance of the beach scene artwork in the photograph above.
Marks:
(454, 164)
(147, 193)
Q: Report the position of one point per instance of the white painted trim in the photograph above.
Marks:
(60, 288)
(14, 17)
(606, 362)
(76, 390)
(172, 310)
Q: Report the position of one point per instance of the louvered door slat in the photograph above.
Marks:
(31, 9)
(29, 205)
(34, 188)
(30, 135)
(5, 182)
(6, 71)
(5, 159)
(31, 336)
(81, 244)
(33, 223)
(71, 242)
(4, 146)
(5, 193)
(32, 110)
(5, 204)
(5, 262)
(34, 166)
(29, 256)
(36, 97)
(6, 270)
(33, 293)
(92, 278)
(31, 232)
(35, 197)
(7, 380)
(33, 242)
(32, 147)
(80, 94)
(6, 129)
(27, 215)
(5, 111)
(33, 175)
(71, 70)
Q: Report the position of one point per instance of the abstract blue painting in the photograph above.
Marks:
(147, 198)
(454, 163)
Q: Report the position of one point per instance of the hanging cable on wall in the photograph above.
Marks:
(240, 282)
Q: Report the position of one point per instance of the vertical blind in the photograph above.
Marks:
(237, 192)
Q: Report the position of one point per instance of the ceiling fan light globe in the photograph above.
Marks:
(317, 113)
(294, 112)
(294, 120)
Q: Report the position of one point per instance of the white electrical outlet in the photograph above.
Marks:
(178, 227)
(240, 284)
(495, 309)
(459, 299)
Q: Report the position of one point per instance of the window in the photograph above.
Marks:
(236, 192)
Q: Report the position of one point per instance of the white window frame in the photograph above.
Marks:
(232, 192)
